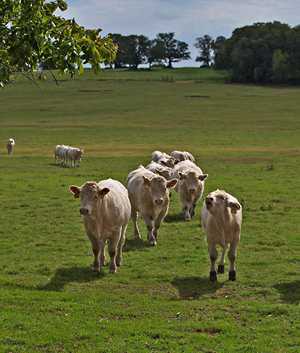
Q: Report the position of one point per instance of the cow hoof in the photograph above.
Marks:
(213, 276)
(221, 269)
(113, 269)
(153, 242)
(96, 269)
(232, 275)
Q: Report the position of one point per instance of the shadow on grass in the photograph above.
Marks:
(174, 218)
(289, 292)
(64, 276)
(135, 244)
(194, 287)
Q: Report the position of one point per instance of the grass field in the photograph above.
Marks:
(245, 137)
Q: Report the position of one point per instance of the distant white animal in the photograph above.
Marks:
(182, 156)
(190, 186)
(222, 219)
(160, 169)
(149, 196)
(68, 156)
(10, 146)
(106, 211)
(163, 159)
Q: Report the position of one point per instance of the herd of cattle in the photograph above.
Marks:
(68, 156)
(107, 206)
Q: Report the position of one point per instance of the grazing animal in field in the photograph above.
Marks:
(160, 169)
(68, 156)
(163, 159)
(149, 196)
(106, 210)
(190, 186)
(222, 219)
(10, 146)
(182, 156)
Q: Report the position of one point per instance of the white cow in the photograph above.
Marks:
(190, 186)
(149, 196)
(160, 169)
(10, 146)
(182, 156)
(68, 156)
(163, 159)
(222, 219)
(106, 211)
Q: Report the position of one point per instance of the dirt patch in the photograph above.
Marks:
(210, 331)
(198, 96)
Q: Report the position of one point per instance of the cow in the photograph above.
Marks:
(160, 169)
(221, 219)
(106, 210)
(10, 146)
(163, 159)
(180, 156)
(149, 196)
(190, 186)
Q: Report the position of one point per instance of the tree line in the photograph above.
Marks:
(259, 53)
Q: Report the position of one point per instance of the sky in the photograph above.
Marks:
(189, 19)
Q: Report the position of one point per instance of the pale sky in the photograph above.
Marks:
(187, 18)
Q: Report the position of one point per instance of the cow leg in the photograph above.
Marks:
(120, 246)
(112, 249)
(157, 223)
(134, 216)
(221, 266)
(96, 251)
(213, 254)
(186, 213)
(232, 256)
(150, 226)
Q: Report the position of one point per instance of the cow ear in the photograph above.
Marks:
(75, 190)
(235, 206)
(146, 181)
(181, 176)
(203, 177)
(172, 183)
(103, 192)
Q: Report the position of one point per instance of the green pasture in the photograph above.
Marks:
(247, 138)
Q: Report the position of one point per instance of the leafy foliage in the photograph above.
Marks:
(205, 45)
(32, 34)
(262, 53)
(138, 49)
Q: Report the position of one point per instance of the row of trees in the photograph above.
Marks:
(261, 53)
(135, 50)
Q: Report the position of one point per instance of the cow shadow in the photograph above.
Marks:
(195, 287)
(174, 218)
(135, 244)
(66, 275)
(289, 292)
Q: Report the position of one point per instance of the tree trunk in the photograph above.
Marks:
(170, 66)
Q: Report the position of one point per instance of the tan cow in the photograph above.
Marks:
(105, 208)
(222, 220)
(190, 186)
(149, 196)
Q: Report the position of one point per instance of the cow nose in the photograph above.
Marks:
(159, 201)
(84, 211)
(209, 201)
(192, 191)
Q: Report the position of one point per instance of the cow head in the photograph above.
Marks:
(159, 189)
